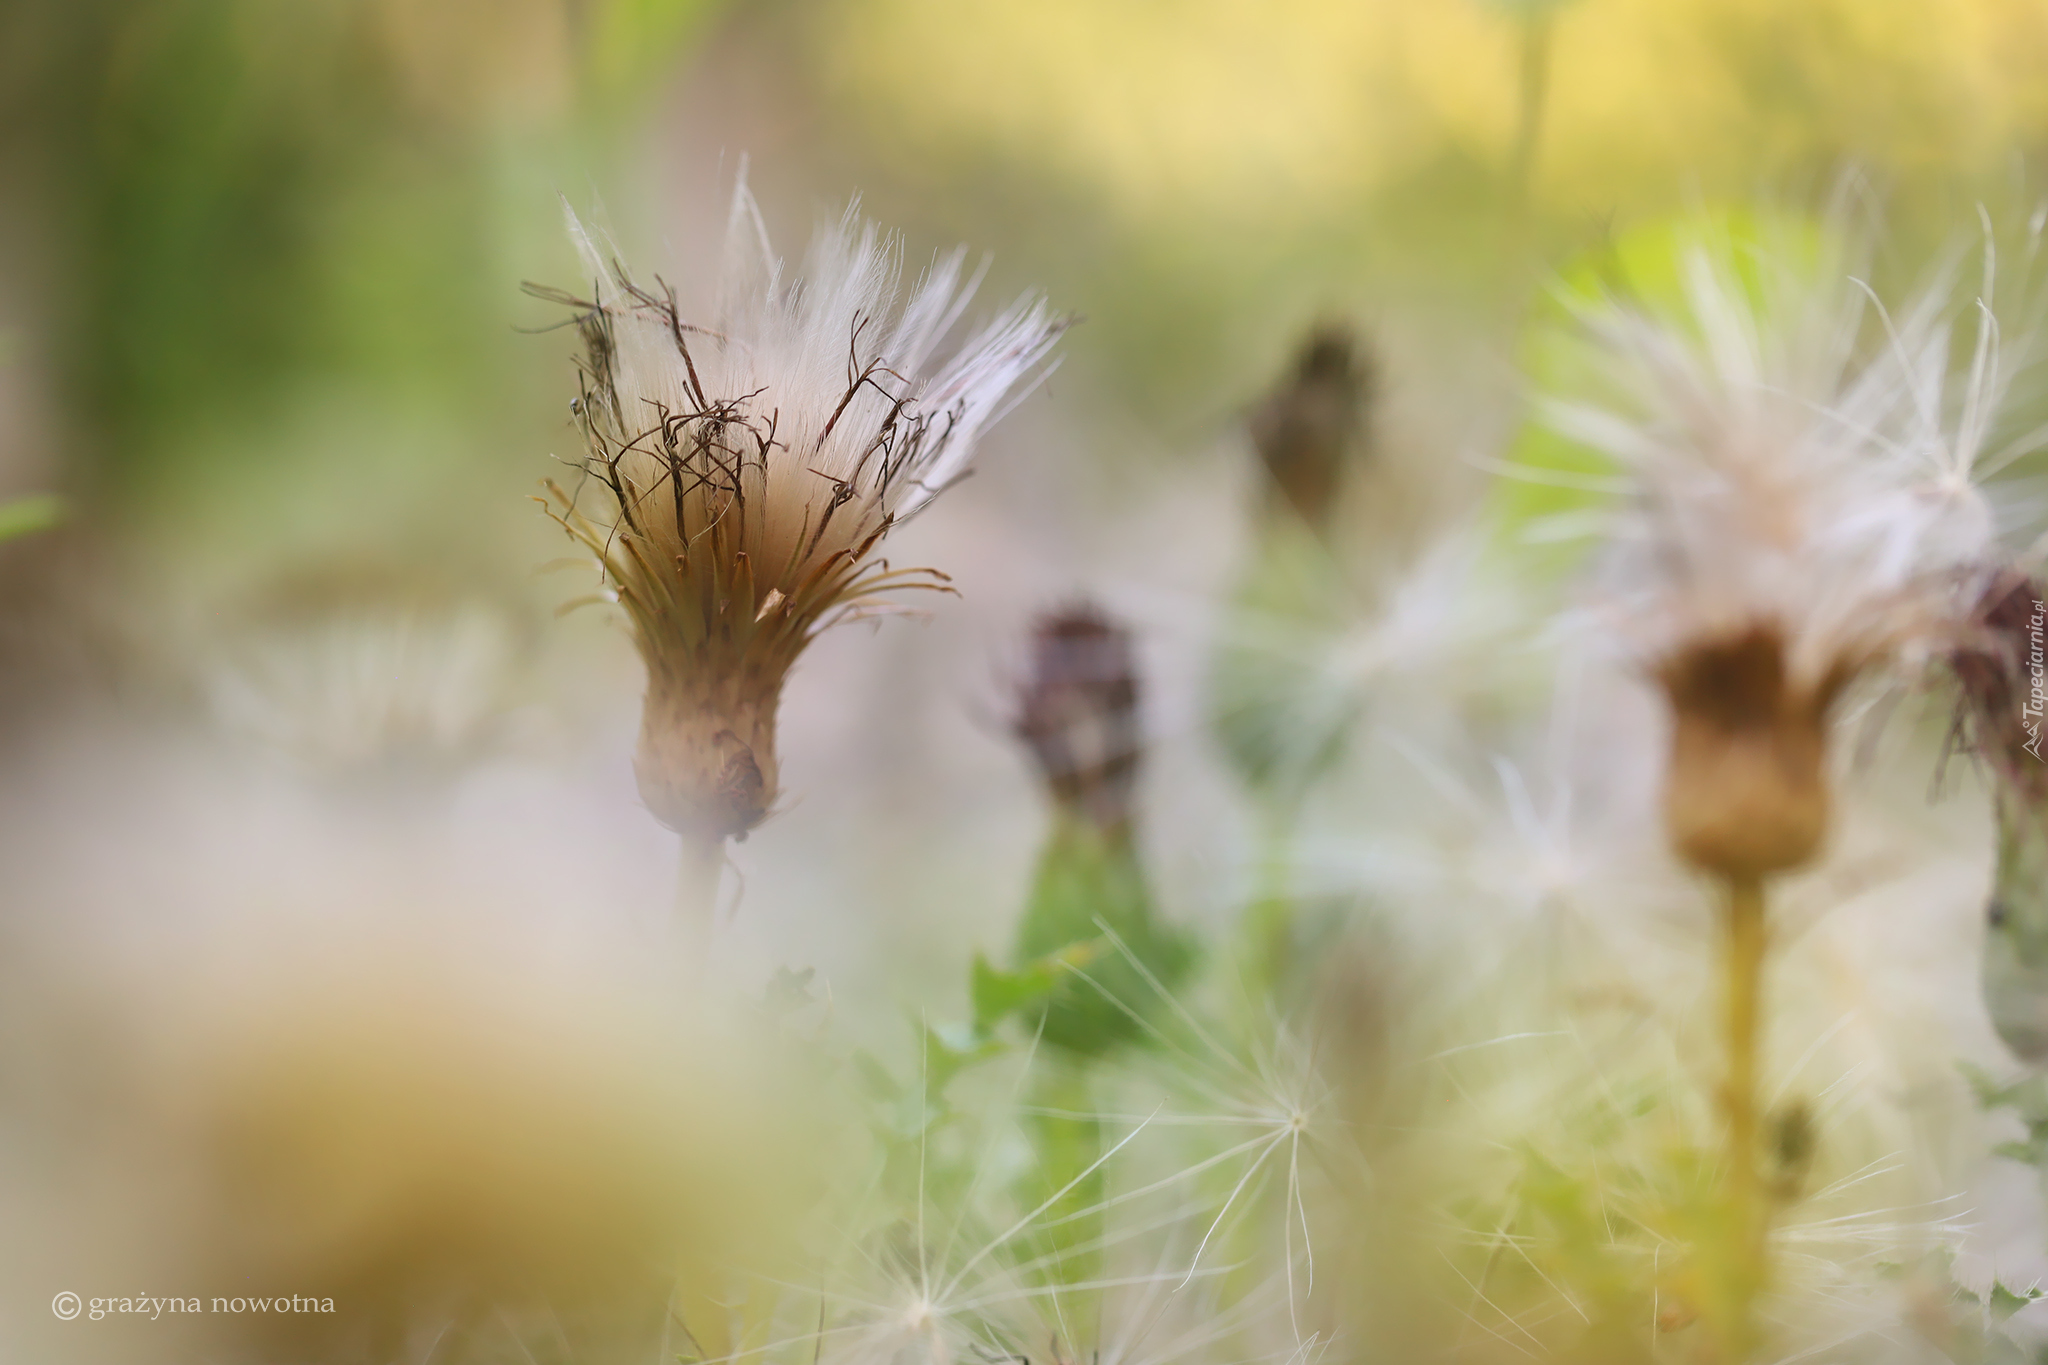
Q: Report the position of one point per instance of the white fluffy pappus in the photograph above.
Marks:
(1793, 453)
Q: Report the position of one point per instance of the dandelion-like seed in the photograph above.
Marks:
(1800, 504)
(748, 470)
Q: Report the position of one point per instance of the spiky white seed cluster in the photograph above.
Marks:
(840, 410)
(750, 466)
(1796, 457)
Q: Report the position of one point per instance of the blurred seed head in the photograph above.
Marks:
(1775, 467)
(741, 475)
(1310, 429)
(1796, 506)
(361, 677)
(1077, 714)
(1999, 666)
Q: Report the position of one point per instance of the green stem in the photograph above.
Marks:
(1522, 260)
(1534, 94)
(1067, 1139)
(1746, 1269)
(1269, 919)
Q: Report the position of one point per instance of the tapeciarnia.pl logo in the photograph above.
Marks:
(2037, 670)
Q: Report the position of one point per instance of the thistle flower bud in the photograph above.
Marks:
(748, 470)
(2001, 672)
(1746, 791)
(1310, 427)
(1077, 713)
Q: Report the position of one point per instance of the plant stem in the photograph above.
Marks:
(1269, 919)
(1533, 93)
(698, 874)
(1748, 1216)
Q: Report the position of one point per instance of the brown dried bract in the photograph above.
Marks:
(1746, 793)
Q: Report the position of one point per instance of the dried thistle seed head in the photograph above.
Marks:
(1794, 495)
(1746, 791)
(1784, 451)
(2000, 667)
(1310, 428)
(1077, 713)
(741, 474)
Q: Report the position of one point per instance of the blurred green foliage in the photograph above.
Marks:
(23, 515)
(1090, 892)
(253, 215)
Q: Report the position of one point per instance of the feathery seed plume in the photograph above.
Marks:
(750, 467)
(1800, 505)
(1800, 501)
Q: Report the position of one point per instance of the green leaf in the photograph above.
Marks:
(1993, 1095)
(950, 1049)
(1089, 894)
(998, 994)
(24, 515)
(2026, 1153)
(2004, 1303)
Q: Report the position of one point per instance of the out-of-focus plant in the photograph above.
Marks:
(1283, 704)
(1078, 717)
(373, 680)
(2001, 674)
(280, 229)
(1795, 513)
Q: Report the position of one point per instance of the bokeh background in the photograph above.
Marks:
(282, 682)
(259, 270)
